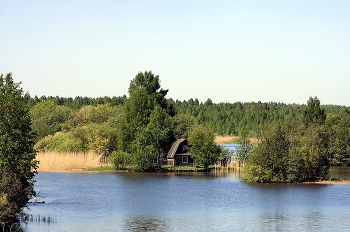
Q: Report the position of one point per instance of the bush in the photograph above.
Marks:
(121, 160)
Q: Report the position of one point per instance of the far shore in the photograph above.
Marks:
(116, 171)
(229, 139)
(225, 139)
(329, 182)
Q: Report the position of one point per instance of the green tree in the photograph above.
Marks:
(144, 127)
(313, 114)
(202, 146)
(48, 118)
(183, 124)
(337, 127)
(269, 158)
(243, 149)
(17, 156)
(294, 153)
(309, 156)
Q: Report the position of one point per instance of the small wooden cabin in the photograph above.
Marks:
(178, 154)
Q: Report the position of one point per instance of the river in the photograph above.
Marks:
(183, 202)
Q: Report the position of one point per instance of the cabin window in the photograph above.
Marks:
(184, 159)
(184, 147)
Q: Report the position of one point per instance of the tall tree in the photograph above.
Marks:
(202, 146)
(17, 156)
(313, 114)
(145, 128)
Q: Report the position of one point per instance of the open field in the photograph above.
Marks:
(68, 160)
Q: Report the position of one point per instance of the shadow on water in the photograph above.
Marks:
(145, 224)
(36, 219)
(278, 221)
(342, 173)
(40, 219)
(187, 174)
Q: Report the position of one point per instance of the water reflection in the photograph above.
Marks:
(145, 224)
(312, 221)
(342, 173)
(40, 219)
(180, 202)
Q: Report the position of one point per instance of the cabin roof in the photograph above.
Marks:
(174, 148)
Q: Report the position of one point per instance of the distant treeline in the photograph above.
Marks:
(246, 118)
(222, 118)
(77, 102)
(82, 123)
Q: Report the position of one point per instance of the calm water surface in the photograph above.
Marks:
(185, 202)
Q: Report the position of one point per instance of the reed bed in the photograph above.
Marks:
(69, 160)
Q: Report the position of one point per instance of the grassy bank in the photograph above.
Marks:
(70, 161)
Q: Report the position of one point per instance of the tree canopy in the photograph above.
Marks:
(292, 153)
(145, 129)
(17, 156)
(202, 146)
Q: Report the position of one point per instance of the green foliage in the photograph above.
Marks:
(76, 103)
(102, 168)
(313, 114)
(88, 128)
(292, 153)
(243, 149)
(92, 114)
(121, 160)
(65, 142)
(202, 146)
(145, 127)
(183, 124)
(146, 81)
(17, 164)
(93, 137)
(226, 153)
(111, 124)
(337, 127)
(268, 161)
(238, 118)
(47, 118)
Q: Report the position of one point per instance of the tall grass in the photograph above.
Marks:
(53, 160)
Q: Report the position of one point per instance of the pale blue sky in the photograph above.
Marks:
(229, 51)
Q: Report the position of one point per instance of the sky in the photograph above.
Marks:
(228, 51)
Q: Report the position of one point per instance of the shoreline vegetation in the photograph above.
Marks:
(69, 161)
(277, 143)
(78, 162)
(86, 161)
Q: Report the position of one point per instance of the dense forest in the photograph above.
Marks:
(222, 118)
(82, 123)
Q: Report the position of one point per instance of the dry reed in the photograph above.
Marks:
(68, 160)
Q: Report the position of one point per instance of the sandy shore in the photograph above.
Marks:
(222, 139)
(330, 182)
(229, 139)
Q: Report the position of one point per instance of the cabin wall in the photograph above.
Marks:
(178, 161)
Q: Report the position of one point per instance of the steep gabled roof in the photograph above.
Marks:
(174, 148)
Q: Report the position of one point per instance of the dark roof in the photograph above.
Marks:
(174, 148)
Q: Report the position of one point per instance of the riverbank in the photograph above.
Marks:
(329, 182)
(225, 139)
(70, 161)
(229, 139)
